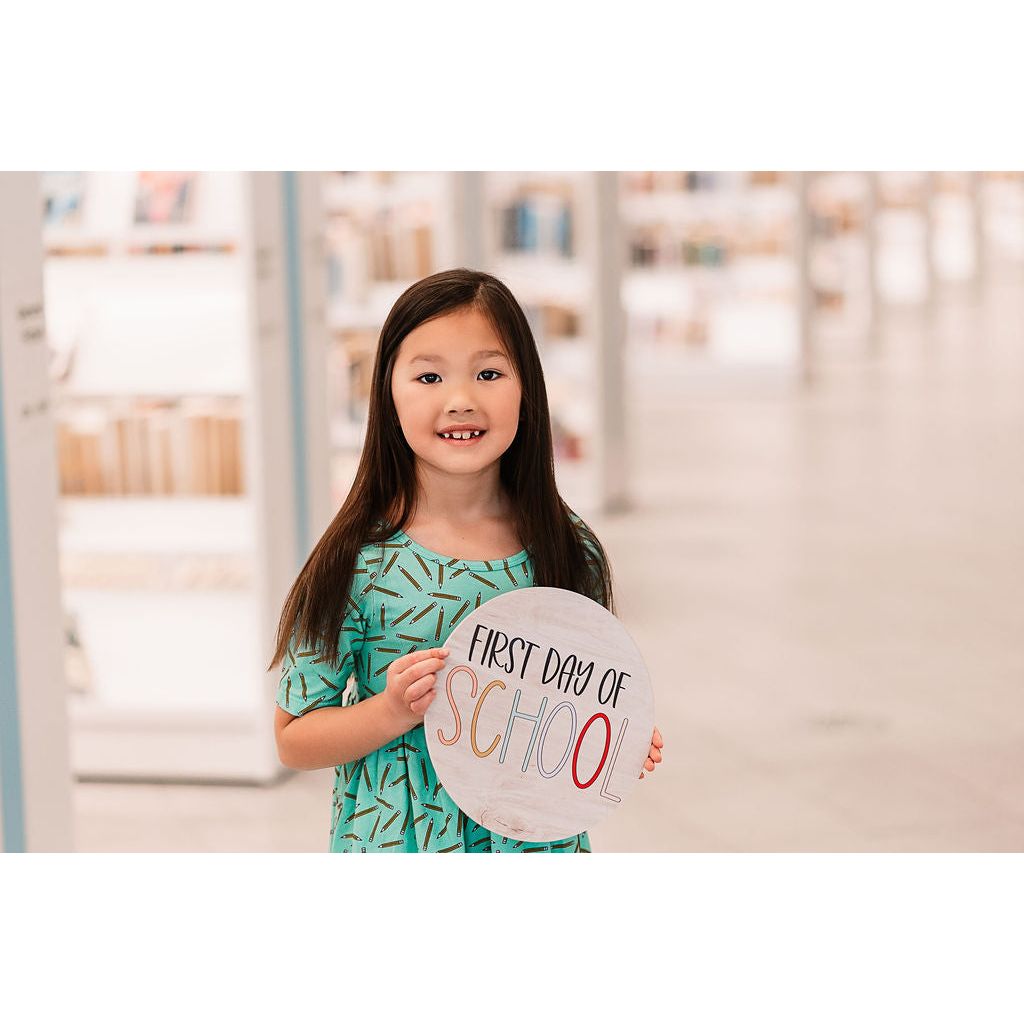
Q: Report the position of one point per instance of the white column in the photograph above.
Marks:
(978, 210)
(603, 251)
(461, 233)
(802, 257)
(308, 339)
(285, 409)
(35, 762)
(928, 202)
(871, 239)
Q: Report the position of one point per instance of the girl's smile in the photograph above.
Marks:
(461, 442)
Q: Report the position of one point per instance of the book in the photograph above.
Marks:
(92, 470)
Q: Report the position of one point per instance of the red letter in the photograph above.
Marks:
(579, 742)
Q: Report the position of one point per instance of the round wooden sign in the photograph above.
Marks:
(543, 715)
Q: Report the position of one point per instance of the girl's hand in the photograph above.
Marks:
(411, 680)
(654, 754)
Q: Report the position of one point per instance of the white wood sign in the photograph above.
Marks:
(543, 715)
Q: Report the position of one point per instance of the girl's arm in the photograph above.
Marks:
(329, 736)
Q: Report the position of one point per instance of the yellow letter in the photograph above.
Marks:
(476, 715)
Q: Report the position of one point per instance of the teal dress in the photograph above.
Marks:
(403, 598)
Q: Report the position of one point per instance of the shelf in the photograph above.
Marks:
(728, 202)
(679, 289)
(345, 315)
(174, 597)
(165, 744)
(363, 192)
(149, 651)
(157, 525)
(537, 278)
(677, 208)
(61, 237)
(173, 694)
(132, 334)
(775, 274)
(754, 334)
(663, 290)
(503, 186)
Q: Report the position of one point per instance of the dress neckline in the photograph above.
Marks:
(480, 565)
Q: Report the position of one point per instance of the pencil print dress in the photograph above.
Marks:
(403, 598)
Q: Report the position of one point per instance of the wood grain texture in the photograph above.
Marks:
(543, 715)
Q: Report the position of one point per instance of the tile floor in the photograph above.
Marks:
(827, 583)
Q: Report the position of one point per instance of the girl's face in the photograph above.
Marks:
(449, 371)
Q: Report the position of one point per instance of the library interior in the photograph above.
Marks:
(788, 403)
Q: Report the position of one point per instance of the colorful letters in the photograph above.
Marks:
(536, 747)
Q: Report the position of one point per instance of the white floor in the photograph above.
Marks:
(827, 583)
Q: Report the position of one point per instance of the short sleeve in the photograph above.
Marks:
(307, 679)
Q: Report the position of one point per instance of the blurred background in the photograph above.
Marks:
(790, 404)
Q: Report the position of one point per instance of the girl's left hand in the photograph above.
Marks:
(654, 755)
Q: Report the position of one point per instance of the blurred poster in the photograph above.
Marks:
(63, 196)
(164, 197)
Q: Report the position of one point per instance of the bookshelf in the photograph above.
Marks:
(543, 234)
(710, 281)
(842, 264)
(956, 243)
(932, 229)
(1000, 201)
(383, 231)
(554, 238)
(148, 386)
(182, 515)
(904, 217)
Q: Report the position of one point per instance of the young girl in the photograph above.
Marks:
(453, 503)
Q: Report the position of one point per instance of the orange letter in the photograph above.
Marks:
(451, 700)
(476, 714)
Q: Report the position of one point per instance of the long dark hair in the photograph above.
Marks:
(382, 499)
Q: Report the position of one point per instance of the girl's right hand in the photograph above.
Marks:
(411, 680)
